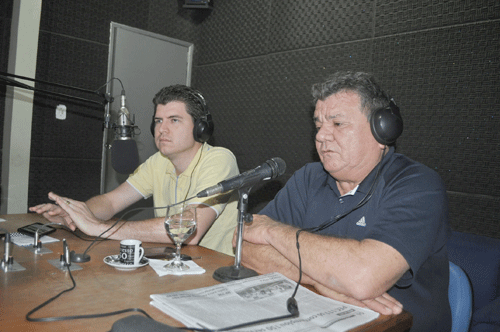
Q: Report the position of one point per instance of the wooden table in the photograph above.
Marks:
(101, 288)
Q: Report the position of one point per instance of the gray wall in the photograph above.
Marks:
(439, 59)
(6, 8)
(255, 62)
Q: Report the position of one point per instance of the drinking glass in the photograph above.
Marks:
(180, 223)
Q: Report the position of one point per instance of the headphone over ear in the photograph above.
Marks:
(387, 124)
(203, 126)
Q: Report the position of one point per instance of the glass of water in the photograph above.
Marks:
(180, 223)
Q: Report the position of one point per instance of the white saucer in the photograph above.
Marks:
(114, 261)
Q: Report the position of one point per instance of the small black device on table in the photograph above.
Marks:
(32, 228)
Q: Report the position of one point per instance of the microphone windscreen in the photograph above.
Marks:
(278, 166)
(124, 156)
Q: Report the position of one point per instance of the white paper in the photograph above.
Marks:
(24, 240)
(256, 298)
(158, 265)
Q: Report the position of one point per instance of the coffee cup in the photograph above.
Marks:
(131, 252)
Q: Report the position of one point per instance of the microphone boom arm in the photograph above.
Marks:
(14, 83)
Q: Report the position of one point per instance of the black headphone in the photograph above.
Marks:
(387, 124)
(203, 126)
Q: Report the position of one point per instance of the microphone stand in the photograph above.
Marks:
(237, 271)
(105, 100)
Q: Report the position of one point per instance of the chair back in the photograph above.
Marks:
(460, 296)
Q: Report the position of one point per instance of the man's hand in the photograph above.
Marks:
(384, 304)
(256, 232)
(54, 214)
(79, 214)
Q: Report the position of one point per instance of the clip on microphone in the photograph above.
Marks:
(8, 264)
(65, 258)
(292, 307)
(64, 262)
(37, 244)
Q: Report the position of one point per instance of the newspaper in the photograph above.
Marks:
(256, 298)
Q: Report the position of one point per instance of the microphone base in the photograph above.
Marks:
(230, 273)
(10, 265)
(39, 251)
(79, 258)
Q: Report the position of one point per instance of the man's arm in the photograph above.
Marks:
(274, 261)
(338, 268)
(102, 207)
(92, 217)
(105, 206)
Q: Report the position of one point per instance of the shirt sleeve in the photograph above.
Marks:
(413, 217)
(143, 177)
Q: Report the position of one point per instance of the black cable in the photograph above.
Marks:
(107, 314)
(329, 223)
(300, 263)
(61, 318)
(53, 319)
(82, 236)
(292, 314)
(262, 321)
(243, 325)
(99, 237)
(291, 303)
(114, 78)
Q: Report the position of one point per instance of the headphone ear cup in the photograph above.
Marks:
(387, 124)
(203, 129)
(152, 127)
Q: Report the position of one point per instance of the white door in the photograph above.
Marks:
(145, 62)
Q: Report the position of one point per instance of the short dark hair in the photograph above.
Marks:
(195, 102)
(371, 94)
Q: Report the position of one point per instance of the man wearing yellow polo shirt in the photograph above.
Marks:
(184, 165)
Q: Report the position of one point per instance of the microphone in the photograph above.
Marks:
(7, 255)
(8, 264)
(268, 170)
(67, 259)
(37, 244)
(124, 153)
